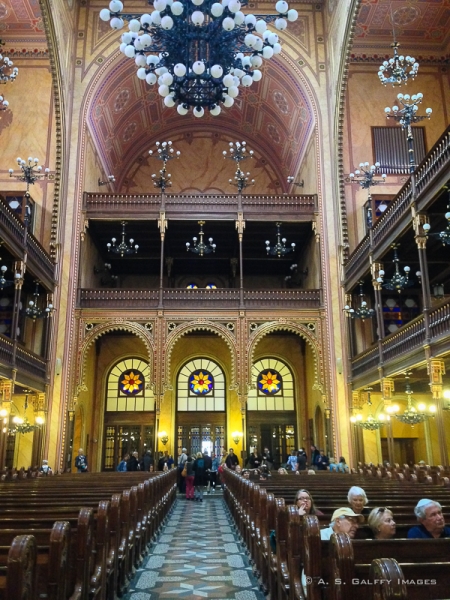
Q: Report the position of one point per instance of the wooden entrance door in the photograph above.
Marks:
(278, 432)
(201, 431)
(121, 439)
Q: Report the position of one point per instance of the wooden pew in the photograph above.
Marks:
(18, 575)
(420, 560)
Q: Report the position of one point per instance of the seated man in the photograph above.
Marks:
(432, 523)
(344, 520)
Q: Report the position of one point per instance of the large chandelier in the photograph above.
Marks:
(371, 423)
(199, 246)
(199, 51)
(397, 282)
(395, 70)
(444, 235)
(279, 249)
(7, 73)
(22, 424)
(411, 415)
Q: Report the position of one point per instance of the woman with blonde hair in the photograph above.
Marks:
(381, 522)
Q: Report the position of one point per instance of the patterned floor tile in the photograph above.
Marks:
(197, 556)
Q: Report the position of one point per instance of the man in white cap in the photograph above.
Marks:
(344, 520)
(432, 522)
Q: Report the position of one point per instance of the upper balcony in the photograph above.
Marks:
(256, 207)
(409, 345)
(20, 242)
(421, 189)
(200, 299)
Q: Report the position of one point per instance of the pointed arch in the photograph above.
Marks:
(102, 329)
(302, 330)
(200, 325)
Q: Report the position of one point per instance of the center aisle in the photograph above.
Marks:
(197, 556)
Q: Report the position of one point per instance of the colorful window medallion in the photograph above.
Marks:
(131, 382)
(201, 382)
(269, 382)
(211, 286)
(192, 286)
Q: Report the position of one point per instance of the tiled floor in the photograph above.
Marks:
(197, 556)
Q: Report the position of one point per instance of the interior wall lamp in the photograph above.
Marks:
(236, 436)
(164, 438)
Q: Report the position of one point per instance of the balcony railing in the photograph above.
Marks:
(398, 215)
(13, 234)
(27, 363)
(407, 340)
(211, 205)
(198, 299)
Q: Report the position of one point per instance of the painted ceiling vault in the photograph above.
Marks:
(419, 24)
(127, 116)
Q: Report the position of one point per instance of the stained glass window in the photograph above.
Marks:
(192, 286)
(269, 382)
(131, 382)
(275, 392)
(195, 396)
(211, 286)
(201, 382)
(127, 387)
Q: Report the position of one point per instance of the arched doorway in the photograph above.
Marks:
(201, 407)
(129, 412)
(271, 415)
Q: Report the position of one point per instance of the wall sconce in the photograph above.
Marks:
(109, 179)
(236, 436)
(164, 438)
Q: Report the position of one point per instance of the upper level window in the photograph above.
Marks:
(201, 386)
(127, 387)
(391, 148)
(273, 386)
(192, 286)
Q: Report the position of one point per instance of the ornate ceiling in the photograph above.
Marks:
(420, 25)
(21, 26)
(127, 116)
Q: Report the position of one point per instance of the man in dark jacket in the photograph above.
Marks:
(322, 461)
(133, 462)
(232, 460)
(146, 461)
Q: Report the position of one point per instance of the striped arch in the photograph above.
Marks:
(100, 330)
(300, 330)
(186, 328)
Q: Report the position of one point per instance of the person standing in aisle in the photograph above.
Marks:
(180, 466)
(81, 463)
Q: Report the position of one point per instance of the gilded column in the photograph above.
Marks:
(387, 392)
(436, 368)
(420, 237)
